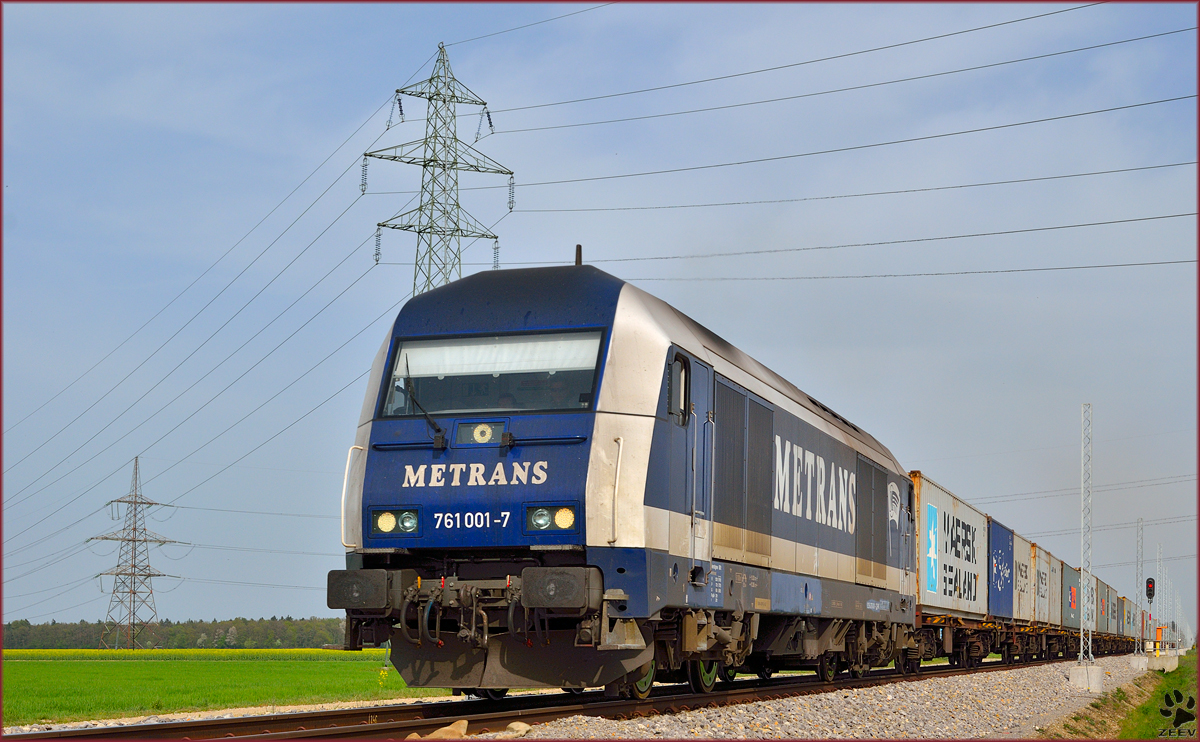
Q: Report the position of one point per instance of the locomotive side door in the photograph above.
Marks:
(691, 402)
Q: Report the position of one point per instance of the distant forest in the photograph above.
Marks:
(243, 633)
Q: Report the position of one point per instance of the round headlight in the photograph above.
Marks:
(408, 522)
(483, 433)
(541, 519)
(386, 522)
(564, 518)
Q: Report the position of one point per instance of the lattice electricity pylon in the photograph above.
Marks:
(439, 221)
(1140, 587)
(131, 614)
(1088, 624)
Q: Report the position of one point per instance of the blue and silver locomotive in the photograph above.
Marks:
(559, 480)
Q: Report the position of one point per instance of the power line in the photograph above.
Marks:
(710, 109)
(70, 607)
(197, 409)
(794, 64)
(970, 235)
(835, 150)
(215, 547)
(1114, 526)
(185, 325)
(527, 25)
(254, 512)
(1165, 559)
(1052, 448)
(206, 270)
(849, 195)
(1134, 485)
(247, 584)
(916, 275)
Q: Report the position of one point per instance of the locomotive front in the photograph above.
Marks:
(465, 494)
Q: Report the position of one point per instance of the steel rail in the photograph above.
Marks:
(494, 716)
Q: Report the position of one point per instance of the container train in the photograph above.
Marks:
(559, 480)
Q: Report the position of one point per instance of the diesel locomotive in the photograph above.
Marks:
(558, 480)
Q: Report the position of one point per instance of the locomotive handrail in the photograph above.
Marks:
(345, 482)
(401, 445)
(616, 489)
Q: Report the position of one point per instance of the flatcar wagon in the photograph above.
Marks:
(558, 480)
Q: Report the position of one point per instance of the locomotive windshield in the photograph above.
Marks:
(495, 374)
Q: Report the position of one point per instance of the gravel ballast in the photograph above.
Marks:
(1012, 703)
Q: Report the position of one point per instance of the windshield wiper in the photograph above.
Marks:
(439, 435)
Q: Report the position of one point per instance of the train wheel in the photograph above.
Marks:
(725, 673)
(702, 675)
(642, 680)
(573, 691)
(914, 664)
(1006, 655)
(827, 668)
(491, 694)
(764, 673)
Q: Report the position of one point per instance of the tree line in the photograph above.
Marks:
(242, 633)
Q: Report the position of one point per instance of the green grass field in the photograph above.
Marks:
(1147, 720)
(71, 685)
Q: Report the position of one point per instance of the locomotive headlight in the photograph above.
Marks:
(564, 518)
(540, 519)
(387, 522)
(408, 521)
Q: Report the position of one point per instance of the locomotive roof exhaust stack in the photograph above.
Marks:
(579, 255)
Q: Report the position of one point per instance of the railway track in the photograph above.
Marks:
(400, 720)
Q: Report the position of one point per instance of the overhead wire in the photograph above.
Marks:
(795, 64)
(1067, 491)
(189, 356)
(207, 270)
(814, 153)
(780, 99)
(918, 275)
(244, 417)
(527, 25)
(878, 243)
(1115, 526)
(255, 512)
(1134, 561)
(867, 194)
(196, 410)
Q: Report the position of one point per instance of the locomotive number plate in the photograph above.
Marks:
(451, 521)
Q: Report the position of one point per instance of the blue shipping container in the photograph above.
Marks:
(1000, 591)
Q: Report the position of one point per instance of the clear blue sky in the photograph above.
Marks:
(142, 142)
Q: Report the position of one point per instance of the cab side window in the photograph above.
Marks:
(678, 391)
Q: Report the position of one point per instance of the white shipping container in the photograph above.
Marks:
(1089, 608)
(1041, 578)
(1055, 591)
(1023, 591)
(953, 560)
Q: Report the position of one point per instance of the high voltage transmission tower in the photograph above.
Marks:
(131, 615)
(439, 221)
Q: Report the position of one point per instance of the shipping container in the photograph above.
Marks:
(1114, 611)
(953, 563)
(1023, 588)
(1127, 608)
(1071, 598)
(1104, 616)
(1041, 582)
(1001, 572)
(1090, 615)
(1056, 567)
